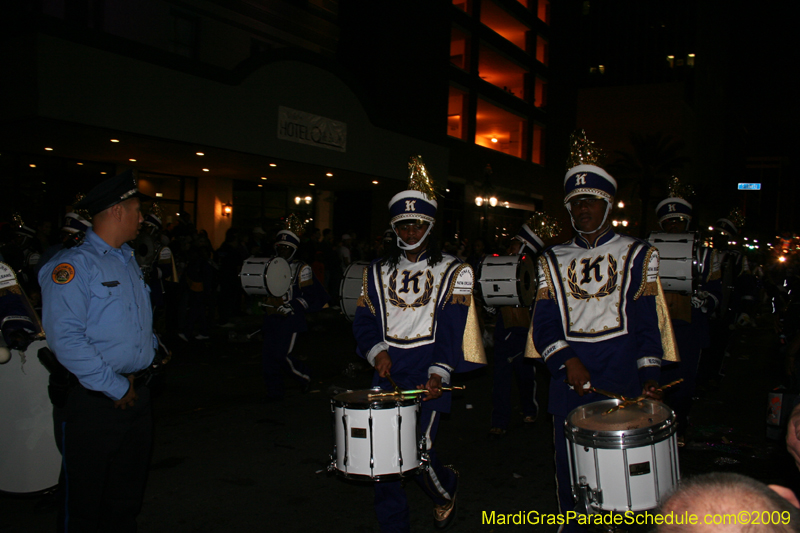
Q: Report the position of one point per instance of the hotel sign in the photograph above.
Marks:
(305, 128)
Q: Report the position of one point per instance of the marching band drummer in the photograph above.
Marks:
(285, 316)
(689, 314)
(595, 321)
(411, 324)
(510, 337)
(99, 323)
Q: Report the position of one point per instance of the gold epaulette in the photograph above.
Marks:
(647, 289)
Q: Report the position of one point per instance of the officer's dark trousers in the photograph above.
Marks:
(105, 457)
(438, 482)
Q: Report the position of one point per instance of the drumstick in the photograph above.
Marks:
(396, 388)
(410, 392)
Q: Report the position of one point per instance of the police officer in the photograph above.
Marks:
(98, 321)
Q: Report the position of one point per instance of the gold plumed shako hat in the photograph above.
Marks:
(419, 201)
(584, 175)
(111, 192)
(539, 226)
(290, 236)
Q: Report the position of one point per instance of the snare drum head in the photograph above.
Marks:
(596, 417)
(361, 399)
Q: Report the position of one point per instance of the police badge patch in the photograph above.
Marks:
(63, 273)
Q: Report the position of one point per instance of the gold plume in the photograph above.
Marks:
(582, 151)
(544, 225)
(418, 179)
(294, 225)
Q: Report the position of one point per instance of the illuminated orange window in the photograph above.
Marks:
(463, 5)
(501, 72)
(525, 3)
(502, 22)
(456, 111)
(540, 92)
(542, 53)
(459, 48)
(543, 11)
(499, 129)
(537, 154)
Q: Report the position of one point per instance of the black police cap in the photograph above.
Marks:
(111, 192)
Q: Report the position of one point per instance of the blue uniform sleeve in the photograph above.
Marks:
(547, 330)
(66, 290)
(311, 296)
(367, 326)
(644, 318)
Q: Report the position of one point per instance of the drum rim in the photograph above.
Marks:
(376, 404)
(620, 439)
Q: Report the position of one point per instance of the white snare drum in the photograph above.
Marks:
(508, 280)
(350, 288)
(375, 439)
(266, 276)
(30, 461)
(625, 460)
(677, 253)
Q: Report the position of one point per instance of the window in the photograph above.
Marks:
(540, 92)
(690, 60)
(463, 5)
(183, 39)
(456, 111)
(543, 11)
(537, 154)
(502, 22)
(500, 130)
(542, 52)
(459, 48)
(501, 72)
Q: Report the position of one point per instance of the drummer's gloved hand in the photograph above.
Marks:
(699, 303)
(286, 310)
(18, 338)
(490, 310)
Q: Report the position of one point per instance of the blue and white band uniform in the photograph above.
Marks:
(112, 336)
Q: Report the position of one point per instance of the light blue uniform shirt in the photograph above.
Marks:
(96, 314)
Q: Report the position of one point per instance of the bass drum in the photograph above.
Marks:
(508, 280)
(679, 256)
(30, 461)
(266, 276)
(350, 288)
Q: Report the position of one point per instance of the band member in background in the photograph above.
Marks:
(410, 324)
(285, 316)
(98, 321)
(595, 321)
(689, 314)
(510, 338)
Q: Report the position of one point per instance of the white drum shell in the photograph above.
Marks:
(676, 252)
(350, 288)
(30, 460)
(377, 441)
(508, 280)
(627, 469)
(266, 276)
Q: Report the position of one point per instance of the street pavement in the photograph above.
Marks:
(224, 459)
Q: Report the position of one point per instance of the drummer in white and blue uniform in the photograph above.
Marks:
(689, 314)
(595, 321)
(411, 324)
(98, 321)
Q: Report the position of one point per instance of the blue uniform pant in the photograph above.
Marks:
(438, 482)
(105, 457)
(509, 360)
(276, 356)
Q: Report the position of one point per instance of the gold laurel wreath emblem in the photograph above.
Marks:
(422, 301)
(605, 290)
